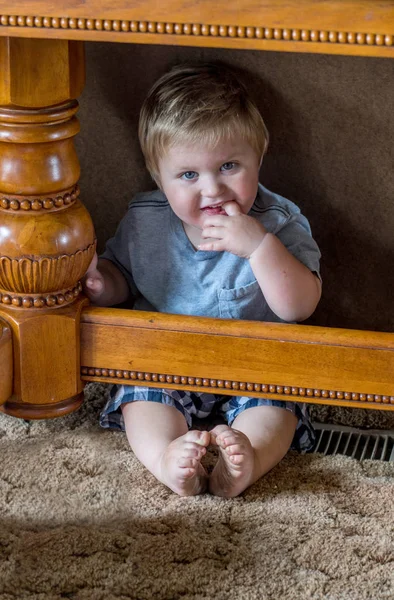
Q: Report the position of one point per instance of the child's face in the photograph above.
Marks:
(198, 180)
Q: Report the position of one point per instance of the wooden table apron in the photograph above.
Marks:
(51, 341)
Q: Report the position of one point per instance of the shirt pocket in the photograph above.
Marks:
(246, 302)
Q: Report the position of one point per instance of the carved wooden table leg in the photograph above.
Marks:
(46, 234)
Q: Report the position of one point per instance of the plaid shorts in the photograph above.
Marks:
(202, 405)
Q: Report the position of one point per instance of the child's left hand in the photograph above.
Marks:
(235, 232)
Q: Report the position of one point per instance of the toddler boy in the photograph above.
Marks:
(209, 241)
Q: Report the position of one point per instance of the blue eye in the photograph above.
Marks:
(189, 175)
(227, 166)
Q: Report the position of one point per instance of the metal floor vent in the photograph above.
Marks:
(361, 444)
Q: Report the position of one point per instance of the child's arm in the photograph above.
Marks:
(104, 284)
(291, 290)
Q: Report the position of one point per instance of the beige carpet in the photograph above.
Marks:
(81, 519)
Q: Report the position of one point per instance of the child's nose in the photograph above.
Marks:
(211, 188)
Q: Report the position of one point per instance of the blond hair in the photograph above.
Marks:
(202, 103)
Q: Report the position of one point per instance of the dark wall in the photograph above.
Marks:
(331, 121)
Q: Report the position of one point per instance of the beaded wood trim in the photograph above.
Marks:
(266, 388)
(16, 203)
(61, 298)
(200, 29)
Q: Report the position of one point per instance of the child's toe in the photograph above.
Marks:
(235, 449)
(201, 438)
(187, 462)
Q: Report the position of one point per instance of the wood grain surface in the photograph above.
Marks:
(340, 27)
(335, 366)
(363, 15)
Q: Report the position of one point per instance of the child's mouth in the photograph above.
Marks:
(214, 210)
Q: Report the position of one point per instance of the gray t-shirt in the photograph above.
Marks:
(166, 274)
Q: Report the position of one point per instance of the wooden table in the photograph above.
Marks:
(51, 341)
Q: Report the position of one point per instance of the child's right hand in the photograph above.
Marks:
(93, 281)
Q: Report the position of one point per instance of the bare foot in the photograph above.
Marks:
(181, 469)
(234, 470)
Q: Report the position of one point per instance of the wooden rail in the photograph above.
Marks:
(289, 362)
(354, 27)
